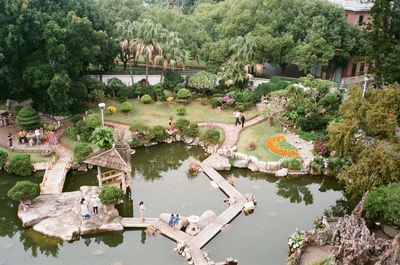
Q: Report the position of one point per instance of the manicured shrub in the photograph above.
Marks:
(182, 125)
(93, 120)
(211, 136)
(103, 137)
(82, 151)
(110, 195)
(20, 164)
(111, 110)
(292, 163)
(71, 132)
(203, 82)
(146, 99)
(24, 190)
(3, 158)
(126, 107)
(192, 130)
(181, 111)
(214, 102)
(168, 94)
(383, 204)
(183, 96)
(28, 118)
(158, 133)
(321, 148)
(76, 118)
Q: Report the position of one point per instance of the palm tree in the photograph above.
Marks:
(126, 30)
(148, 42)
(237, 69)
(173, 53)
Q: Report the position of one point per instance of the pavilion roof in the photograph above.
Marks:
(110, 159)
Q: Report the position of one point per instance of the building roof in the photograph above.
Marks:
(354, 5)
(110, 159)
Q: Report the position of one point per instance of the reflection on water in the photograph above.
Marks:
(159, 178)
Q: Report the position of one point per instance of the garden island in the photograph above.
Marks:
(165, 132)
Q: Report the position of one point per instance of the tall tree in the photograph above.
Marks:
(384, 40)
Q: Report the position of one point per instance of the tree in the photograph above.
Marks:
(148, 42)
(110, 195)
(103, 137)
(28, 119)
(24, 190)
(384, 40)
(203, 82)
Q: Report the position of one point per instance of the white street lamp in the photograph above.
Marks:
(102, 106)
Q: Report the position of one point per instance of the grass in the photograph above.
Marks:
(158, 113)
(258, 134)
(35, 157)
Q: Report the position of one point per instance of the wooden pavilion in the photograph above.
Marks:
(118, 161)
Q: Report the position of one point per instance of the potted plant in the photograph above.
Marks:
(109, 196)
(24, 191)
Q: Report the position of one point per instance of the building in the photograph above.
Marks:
(357, 14)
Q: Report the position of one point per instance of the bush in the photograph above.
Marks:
(76, 118)
(20, 164)
(172, 79)
(82, 152)
(123, 94)
(313, 136)
(181, 111)
(71, 132)
(146, 99)
(211, 136)
(110, 195)
(126, 107)
(192, 130)
(158, 133)
(312, 123)
(214, 102)
(141, 133)
(240, 106)
(170, 99)
(321, 148)
(182, 125)
(383, 204)
(3, 158)
(183, 96)
(93, 121)
(292, 163)
(84, 131)
(28, 118)
(203, 82)
(111, 110)
(318, 163)
(24, 190)
(168, 94)
(103, 137)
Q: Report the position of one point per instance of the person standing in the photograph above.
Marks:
(142, 208)
(37, 135)
(10, 141)
(84, 210)
(52, 138)
(237, 117)
(171, 126)
(171, 220)
(176, 221)
(242, 119)
(95, 204)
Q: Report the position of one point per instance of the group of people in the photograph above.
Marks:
(7, 119)
(85, 207)
(23, 137)
(174, 221)
(239, 118)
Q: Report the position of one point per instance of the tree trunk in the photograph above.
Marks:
(130, 70)
(147, 72)
(283, 67)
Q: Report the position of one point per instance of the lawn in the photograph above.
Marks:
(258, 134)
(158, 113)
(35, 157)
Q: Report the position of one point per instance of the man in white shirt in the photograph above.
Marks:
(95, 204)
(237, 117)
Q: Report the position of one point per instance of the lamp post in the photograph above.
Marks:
(365, 85)
(102, 106)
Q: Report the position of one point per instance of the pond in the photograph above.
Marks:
(160, 179)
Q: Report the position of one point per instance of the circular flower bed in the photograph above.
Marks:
(278, 145)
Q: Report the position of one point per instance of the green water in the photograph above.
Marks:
(160, 180)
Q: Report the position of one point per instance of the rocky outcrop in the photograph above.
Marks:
(281, 172)
(350, 241)
(60, 215)
(218, 162)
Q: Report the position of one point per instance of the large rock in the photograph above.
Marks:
(262, 166)
(217, 162)
(273, 165)
(241, 156)
(253, 167)
(188, 139)
(282, 172)
(241, 163)
(183, 220)
(60, 215)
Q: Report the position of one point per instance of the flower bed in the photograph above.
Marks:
(278, 145)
